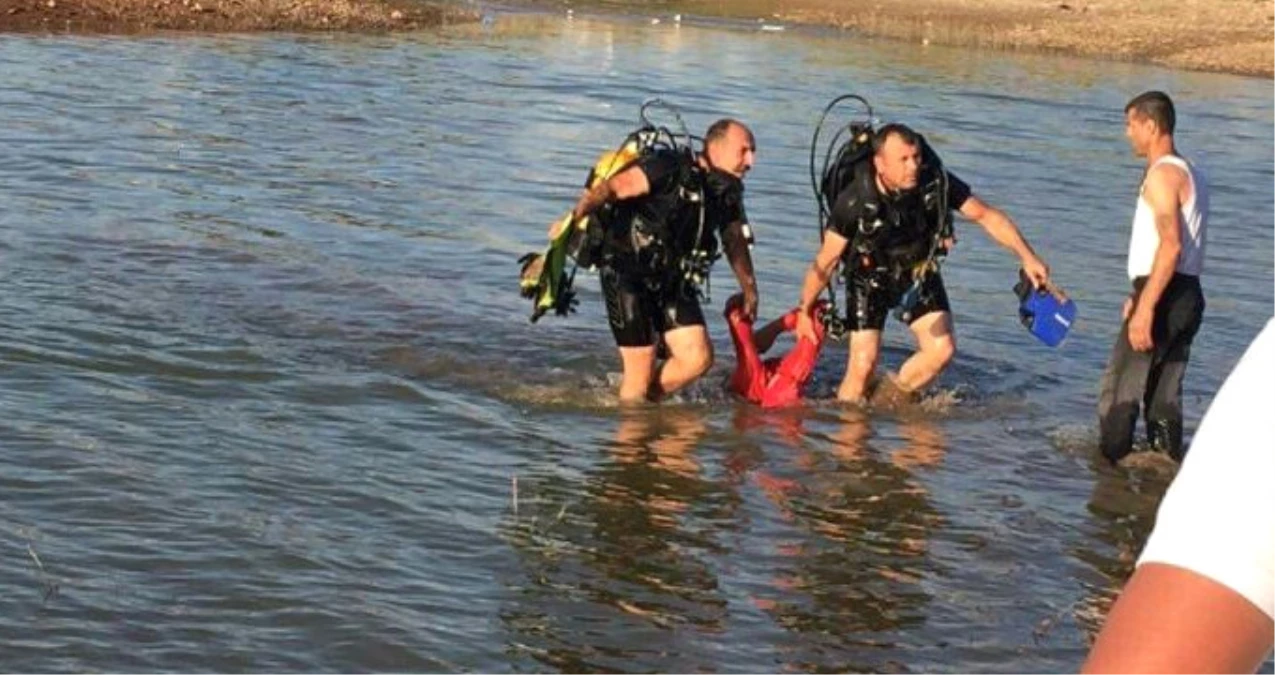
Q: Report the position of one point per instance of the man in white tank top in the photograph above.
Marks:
(1163, 312)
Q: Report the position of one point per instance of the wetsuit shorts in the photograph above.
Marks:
(871, 298)
(639, 315)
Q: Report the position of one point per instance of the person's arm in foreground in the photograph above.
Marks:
(1203, 594)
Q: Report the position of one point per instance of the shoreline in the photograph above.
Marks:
(1179, 35)
(1183, 34)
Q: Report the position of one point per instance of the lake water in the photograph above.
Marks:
(272, 403)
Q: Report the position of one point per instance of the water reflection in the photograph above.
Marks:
(1122, 507)
(611, 573)
(296, 255)
(851, 576)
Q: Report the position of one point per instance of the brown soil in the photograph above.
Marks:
(1225, 35)
(142, 16)
(1236, 36)
(1220, 35)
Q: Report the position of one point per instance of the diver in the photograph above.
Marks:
(888, 225)
(661, 220)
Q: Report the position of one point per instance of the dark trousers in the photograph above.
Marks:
(1152, 380)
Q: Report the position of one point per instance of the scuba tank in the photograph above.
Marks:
(544, 278)
(585, 241)
(843, 160)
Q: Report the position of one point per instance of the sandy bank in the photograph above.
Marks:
(1234, 36)
(142, 16)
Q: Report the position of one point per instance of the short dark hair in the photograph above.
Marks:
(717, 131)
(1156, 106)
(903, 131)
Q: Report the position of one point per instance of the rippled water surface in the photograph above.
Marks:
(271, 401)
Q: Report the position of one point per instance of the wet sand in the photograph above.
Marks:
(1233, 36)
(1223, 35)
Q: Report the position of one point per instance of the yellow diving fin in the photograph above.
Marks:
(544, 278)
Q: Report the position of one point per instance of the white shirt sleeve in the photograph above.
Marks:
(1218, 517)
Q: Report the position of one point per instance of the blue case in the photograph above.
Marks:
(1046, 313)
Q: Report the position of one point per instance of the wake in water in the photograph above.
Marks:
(573, 390)
(566, 390)
(534, 374)
(589, 385)
(1143, 464)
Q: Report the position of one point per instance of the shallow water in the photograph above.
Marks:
(272, 402)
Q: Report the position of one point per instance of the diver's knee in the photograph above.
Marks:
(943, 352)
(693, 356)
(699, 359)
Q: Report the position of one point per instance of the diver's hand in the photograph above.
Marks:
(557, 226)
(1127, 309)
(806, 326)
(1140, 330)
(1036, 270)
(750, 303)
(577, 211)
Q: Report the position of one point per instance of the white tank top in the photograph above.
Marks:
(1194, 218)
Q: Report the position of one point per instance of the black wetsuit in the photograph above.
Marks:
(888, 235)
(648, 238)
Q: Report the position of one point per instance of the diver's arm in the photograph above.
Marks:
(736, 242)
(820, 271)
(1003, 231)
(1161, 193)
(630, 183)
(817, 277)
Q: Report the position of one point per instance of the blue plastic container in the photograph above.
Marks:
(1046, 313)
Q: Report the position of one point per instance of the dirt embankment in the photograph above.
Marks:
(1234, 36)
(143, 16)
